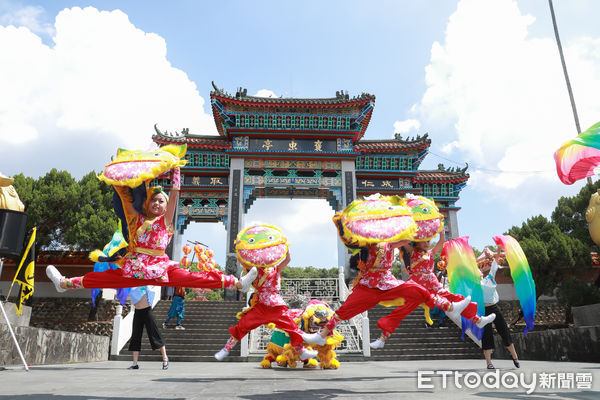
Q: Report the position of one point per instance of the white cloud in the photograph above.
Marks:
(265, 93)
(497, 98)
(406, 126)
(307, 225)
(449, 147)
(102, 85)
(29, 17)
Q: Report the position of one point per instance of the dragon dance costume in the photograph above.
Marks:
(142, 259)
(421, 272)
(265, 249)
(376, 284)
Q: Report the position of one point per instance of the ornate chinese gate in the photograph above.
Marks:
(290, 148)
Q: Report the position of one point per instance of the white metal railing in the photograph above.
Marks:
(334, 292)
(122, 326)
(360, 322)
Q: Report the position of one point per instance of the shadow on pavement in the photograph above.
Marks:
(49, 396)
(585, 395)
(321, 394)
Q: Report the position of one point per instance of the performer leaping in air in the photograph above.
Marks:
(264, 247)
(375, 227)
(421, 271)
(148, 229)
(429, 223)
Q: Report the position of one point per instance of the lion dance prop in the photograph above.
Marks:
(311, 319)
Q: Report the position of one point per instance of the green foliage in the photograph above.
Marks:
(189, 295)
(562, 244)
(569, 215)
(549, 252)
(68, 214)
(575, 293)
(95, 220)
(309, 272)
(215, 295)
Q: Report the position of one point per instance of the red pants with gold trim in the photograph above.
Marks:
(262, 314)
(113, 278)
(431, 283)
(364, 298)
(469, 313)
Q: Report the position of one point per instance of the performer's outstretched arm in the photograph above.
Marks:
(173, 198)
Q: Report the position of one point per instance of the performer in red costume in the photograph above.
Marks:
(146, 263)
(264, 247)
(375, 284)
(421, 271)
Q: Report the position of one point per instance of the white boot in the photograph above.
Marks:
(306, 354)
(221, 354)
(247, 279)
(315, 338)
(483, 321)
(378, 344)
(458, 307)
(55, 277)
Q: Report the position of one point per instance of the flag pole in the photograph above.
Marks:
(8, 323)
(566, 74)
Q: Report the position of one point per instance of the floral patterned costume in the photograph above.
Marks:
(148, 260)
(148, 264)
(421, 272)
(377, 284)
(268, 306)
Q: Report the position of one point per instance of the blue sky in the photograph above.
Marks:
(482, 77)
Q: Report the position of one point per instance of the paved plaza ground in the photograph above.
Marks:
(110, 380)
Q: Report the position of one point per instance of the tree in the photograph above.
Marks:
(549, 252)
(569, 215)
(68, 214)
(574, 293)
(95, 220)
(309, 272)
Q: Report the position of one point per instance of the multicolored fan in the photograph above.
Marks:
(261, 246)
(577, 158)
(464, 277)
(132, 168)
(375, 219)
(427, 216)
(521, 275)
(113, 250)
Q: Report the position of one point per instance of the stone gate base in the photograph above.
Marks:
(580, 344)
(45, 346)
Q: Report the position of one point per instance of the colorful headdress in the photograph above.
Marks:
(375, 219)
(261, 246)
(427, 216)
(112, 250)
(132, 168)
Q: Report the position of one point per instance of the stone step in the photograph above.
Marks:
(341, 357)
(206, 332)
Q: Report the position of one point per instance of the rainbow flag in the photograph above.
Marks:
(464, 277)
(521, 275)
(577, 158)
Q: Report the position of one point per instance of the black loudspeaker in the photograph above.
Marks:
(12, 233)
